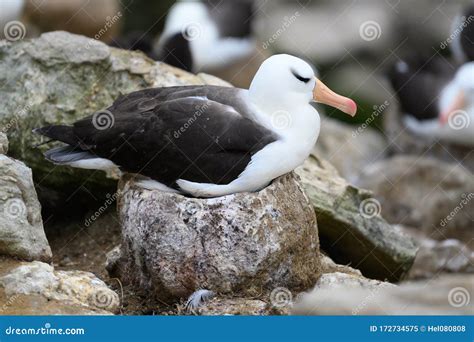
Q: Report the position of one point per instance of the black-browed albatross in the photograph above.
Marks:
(436, 95)
(205, 141)
(208, 34)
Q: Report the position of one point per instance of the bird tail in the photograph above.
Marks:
(67, 155)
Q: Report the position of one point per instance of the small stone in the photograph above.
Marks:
(77, 288)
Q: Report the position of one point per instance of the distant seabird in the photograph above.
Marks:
(436, 95)
(205, 141)
(208, 34)
(437, 99)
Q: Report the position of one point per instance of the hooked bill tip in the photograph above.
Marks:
(351, 107)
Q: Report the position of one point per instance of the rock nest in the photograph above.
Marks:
(248, 243)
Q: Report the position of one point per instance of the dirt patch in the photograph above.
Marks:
(77, 246)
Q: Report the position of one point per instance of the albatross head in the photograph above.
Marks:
(288, 81)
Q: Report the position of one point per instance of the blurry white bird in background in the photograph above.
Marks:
(437, 96)
(215, 37)
(203, 35)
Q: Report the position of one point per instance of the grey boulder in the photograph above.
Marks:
(351, 228)
(36, 288)
(243, 244)
(422, 192)
(21, 227)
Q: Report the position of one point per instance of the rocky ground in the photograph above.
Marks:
(360, 228)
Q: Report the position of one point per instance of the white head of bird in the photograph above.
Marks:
(286, 85)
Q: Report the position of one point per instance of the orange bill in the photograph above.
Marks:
(322, 94)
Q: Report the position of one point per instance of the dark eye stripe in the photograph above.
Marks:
(300, 78)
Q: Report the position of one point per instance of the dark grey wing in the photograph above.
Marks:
(192, 138)
(418, 82)
(233, 17)
(147, 99)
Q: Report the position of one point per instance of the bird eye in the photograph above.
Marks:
(300, 78)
